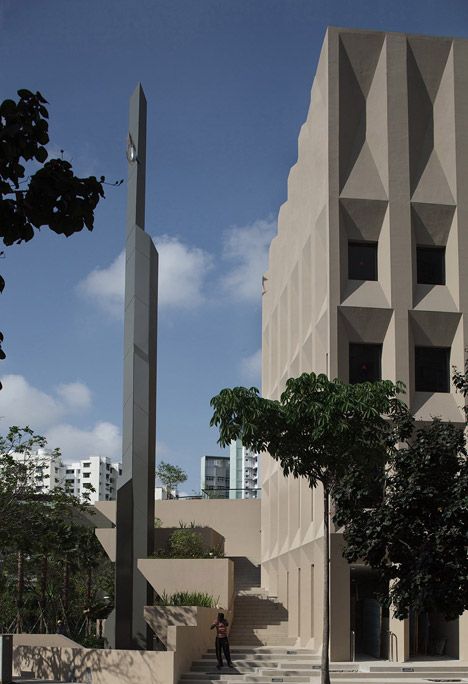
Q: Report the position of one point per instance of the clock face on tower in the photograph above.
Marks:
(131, 150)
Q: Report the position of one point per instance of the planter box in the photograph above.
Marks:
(213, 576)
(211, 539)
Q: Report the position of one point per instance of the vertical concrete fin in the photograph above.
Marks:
(135, 493)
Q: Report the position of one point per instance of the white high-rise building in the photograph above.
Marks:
(243, 470)
(48, 472)
(95, 475)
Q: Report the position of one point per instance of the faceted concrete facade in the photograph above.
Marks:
(382, 158)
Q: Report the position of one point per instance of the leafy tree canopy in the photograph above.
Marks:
(318, 427)
(54, 197)
(31, 197)
(171, 476)
(416, 532)
(317, 430)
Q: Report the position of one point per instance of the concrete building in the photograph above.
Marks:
(214, 476)
(367, 279)
(47, 471)
(243, 472)
(96, 473)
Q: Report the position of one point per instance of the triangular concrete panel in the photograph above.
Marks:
(364, 181)
(433, 187)
(377, 118)
(364, 293)
(431, 57)
(433, 298)
(363, 50)
(432, 222)
(427, 405)
(363, 218)
(366, 324)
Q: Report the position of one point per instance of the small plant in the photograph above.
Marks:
(191, 525)
(187, 598)
(184, 543)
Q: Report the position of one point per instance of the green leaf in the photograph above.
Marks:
(41, 154)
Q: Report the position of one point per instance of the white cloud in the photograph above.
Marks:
(104, 439)
(105, 286)
(247, 247)
(251, 367)
(75, 395)
(22, 404)
(182, 272)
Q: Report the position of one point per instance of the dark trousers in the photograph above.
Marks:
(222, 646)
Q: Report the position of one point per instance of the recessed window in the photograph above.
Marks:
(365, 363)
(431, 265)
(362, 260)
(432, 369)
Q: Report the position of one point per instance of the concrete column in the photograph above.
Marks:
(135, 494)
(463, 636)
(401, 639)
(340, 628)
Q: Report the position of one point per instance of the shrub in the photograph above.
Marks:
(187, 598)
(185, 543)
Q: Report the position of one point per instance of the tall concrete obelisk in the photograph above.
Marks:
(135, 494)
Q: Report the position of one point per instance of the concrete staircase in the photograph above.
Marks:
(259, 619)
(279, 665)
(262, 651)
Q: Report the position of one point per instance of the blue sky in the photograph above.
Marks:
(228, 85)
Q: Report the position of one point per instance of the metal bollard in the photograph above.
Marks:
(6, 658)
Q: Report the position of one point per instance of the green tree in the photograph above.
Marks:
(31, 198)
(460, 380)
(415, 533)
(317, 430)
(170, 476)
(32, 524)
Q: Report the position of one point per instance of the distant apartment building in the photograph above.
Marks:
(214, 478)
(243, 468)
(48, 471)
(95, 476)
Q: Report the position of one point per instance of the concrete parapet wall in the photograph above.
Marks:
(185, 630)
(106, 666)
(214, 576)
(238, 521)
(53, 656)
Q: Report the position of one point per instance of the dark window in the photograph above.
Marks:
(432, 369)
(365, 363)
(431, 265)
(362, 260)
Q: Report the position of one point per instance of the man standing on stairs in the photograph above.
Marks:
(222, 641)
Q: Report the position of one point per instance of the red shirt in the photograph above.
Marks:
(221, 628)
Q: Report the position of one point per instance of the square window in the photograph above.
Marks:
(365, 363)
(432, 369)
(431, 265)
(362, 260)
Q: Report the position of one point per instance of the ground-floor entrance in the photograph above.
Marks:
(433, 636)
(369, 619)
